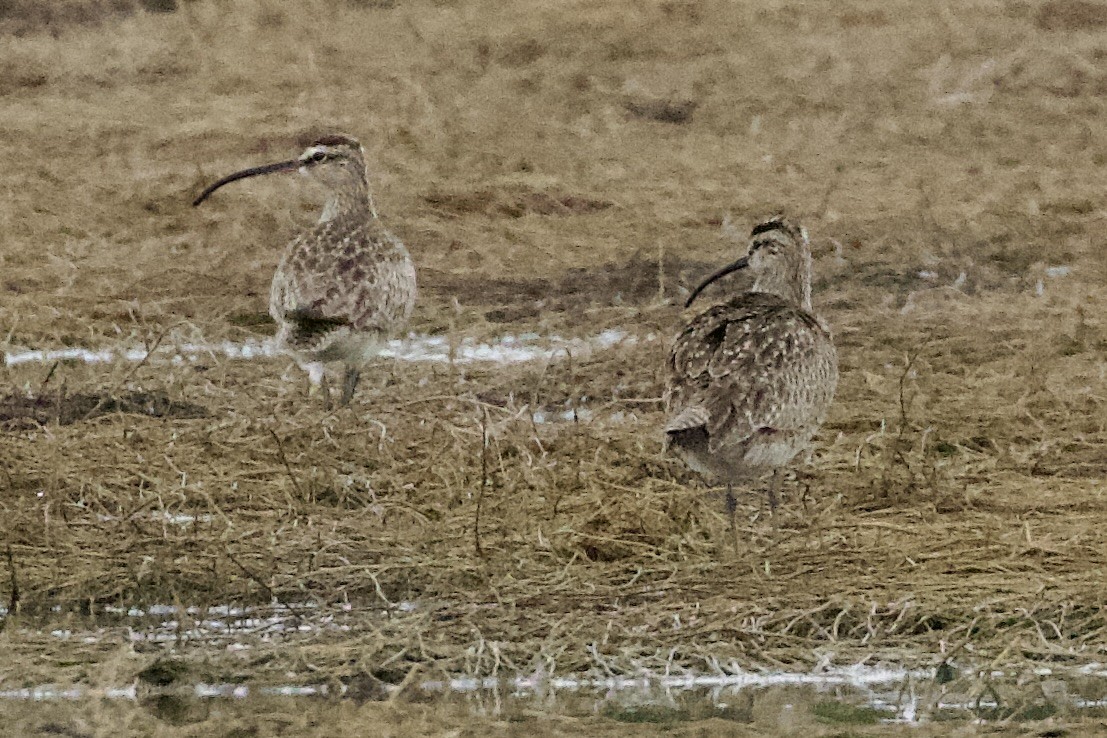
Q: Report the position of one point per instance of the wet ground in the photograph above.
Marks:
(178, 691)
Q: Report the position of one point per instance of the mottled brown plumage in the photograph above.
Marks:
(751, 379)
(345, 285)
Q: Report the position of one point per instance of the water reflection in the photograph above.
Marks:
(173, 691)
(782, 700)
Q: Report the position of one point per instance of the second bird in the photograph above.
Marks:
(751, 379)
(345, 285)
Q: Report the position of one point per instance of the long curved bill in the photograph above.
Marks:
(281, 166)
(740, 264)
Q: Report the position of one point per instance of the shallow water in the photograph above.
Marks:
(415, 348)
(850, 694)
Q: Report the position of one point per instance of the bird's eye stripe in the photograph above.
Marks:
(770, 245)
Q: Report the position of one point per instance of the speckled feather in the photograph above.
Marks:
(345, 285)
(346, 277)
(750, 382)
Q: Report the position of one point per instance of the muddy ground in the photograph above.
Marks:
(559, 168)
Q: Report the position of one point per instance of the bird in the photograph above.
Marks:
(750, 380)
(344, 285)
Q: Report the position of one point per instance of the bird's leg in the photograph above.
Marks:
(774, 488)
(349, 383)
(731, 509)
(317, 382)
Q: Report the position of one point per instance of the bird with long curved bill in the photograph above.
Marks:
(344, 285)
(751, 379)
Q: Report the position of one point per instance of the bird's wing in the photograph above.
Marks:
(334, 279)
(751, 365)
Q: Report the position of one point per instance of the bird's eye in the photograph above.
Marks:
(317, 156)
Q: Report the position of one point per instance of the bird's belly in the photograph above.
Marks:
(748, 459)
(341, 344)
(771, 453)
(699, 462)
(351, 347)
(721, 465)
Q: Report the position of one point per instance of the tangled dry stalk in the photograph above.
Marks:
(945, 163)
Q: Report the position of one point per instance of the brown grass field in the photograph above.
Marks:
(556, 168)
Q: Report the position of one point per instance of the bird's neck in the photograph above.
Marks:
(353, 200)
(792, 286)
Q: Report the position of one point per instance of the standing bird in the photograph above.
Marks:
(344, 285)
(751, 379)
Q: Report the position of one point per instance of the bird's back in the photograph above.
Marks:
(750, 381)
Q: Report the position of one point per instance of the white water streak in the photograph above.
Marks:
(439, 349)
(855, 676)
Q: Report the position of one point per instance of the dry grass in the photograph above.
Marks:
(538, 161)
